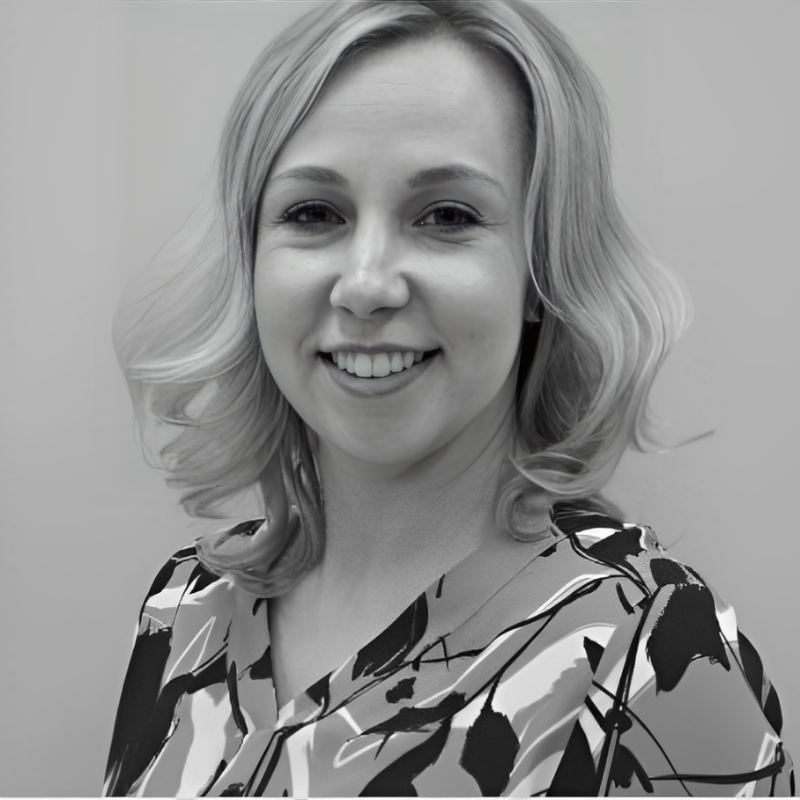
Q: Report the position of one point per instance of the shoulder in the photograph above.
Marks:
(597, 566)
(178, 661)
(673, 613)
(183, 623)
(182, 581)
(678, 698)
(630, 549)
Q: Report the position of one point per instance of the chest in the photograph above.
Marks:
(309, 640)
(393, 722)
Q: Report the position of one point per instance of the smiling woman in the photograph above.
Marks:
(420, 324)
(396, 256)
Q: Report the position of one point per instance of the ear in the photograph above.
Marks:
(532, 311)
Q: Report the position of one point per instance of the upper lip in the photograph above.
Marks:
(374, 349)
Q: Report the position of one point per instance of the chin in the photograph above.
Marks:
(381, 450)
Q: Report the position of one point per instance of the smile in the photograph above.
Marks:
(378, 365)
(369, 374)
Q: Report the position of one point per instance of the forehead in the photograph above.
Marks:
(417, 101)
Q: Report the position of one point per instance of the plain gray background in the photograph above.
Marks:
(109, 119)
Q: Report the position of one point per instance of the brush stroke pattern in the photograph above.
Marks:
(588, 663)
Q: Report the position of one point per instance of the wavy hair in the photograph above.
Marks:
(189, 346)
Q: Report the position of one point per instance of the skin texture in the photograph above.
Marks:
(376, 260)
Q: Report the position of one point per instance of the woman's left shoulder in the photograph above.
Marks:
(679, 698)
(597, 534)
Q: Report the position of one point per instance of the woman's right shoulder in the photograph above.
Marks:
(180, 648)
(181, 581)
(185, 617)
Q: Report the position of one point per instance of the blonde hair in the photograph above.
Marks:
(610, 314)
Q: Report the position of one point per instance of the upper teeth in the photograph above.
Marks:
(378, 365)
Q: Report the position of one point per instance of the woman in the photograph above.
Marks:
(421, 325)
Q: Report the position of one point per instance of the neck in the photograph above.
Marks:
(394, 520)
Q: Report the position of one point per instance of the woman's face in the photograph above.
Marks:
(391, 267)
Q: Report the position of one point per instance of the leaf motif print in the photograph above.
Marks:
(261, 668)
(772, 710)
(490, 749)
(549, 552)
(624, 602)
(233, 693)
(762, 687)
(667, 572)
(576, 775)
(319, 692)
(687, 629)
(594, 652)
(200, 579)
(404, 690)
(129, 754)
(619, 547)
(396, 780)
(414, 718)
(213, 779)
(233, 790)
(594, 696)
(389, 648)
(753, 668)
(625, 766)
(156, 719)
(166, 572)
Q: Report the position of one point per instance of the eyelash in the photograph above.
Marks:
(471, 217)
(290, 215)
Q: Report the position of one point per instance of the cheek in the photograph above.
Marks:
(285, 301)
(272, 317)
(486, 313)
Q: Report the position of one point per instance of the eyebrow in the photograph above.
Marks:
(452, 172)
(309, 175)
(425, 177)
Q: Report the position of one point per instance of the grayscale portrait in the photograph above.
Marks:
(400, 398)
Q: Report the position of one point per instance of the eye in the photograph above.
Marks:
(312, 214)
(449, 217)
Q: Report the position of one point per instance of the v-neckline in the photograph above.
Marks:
(471, 583)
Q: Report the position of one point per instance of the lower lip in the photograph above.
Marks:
(374, 387)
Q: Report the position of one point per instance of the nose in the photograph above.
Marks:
(370, 279)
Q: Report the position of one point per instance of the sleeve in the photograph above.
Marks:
(176, 676)
(679, 702)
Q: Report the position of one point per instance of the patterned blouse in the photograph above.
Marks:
(589, 663)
